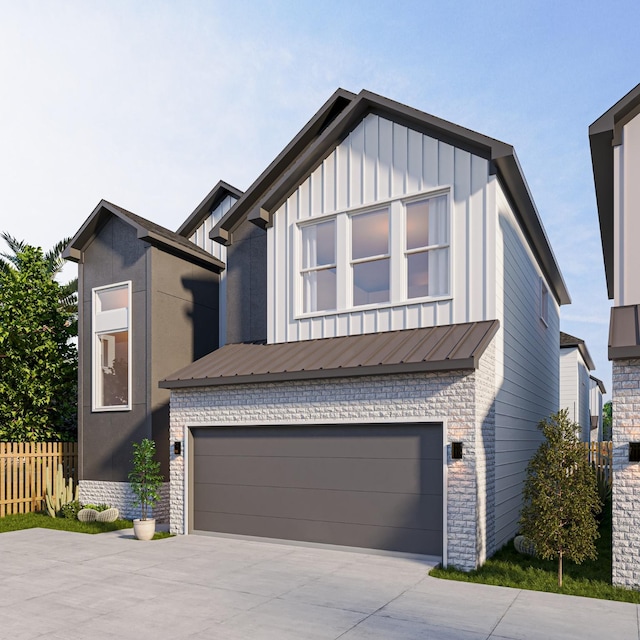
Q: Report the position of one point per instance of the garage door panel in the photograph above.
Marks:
(377, 486)
(406, 510)
(351, 474)
(400, 442)
(397, 539)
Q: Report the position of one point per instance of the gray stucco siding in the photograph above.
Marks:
(246, 279)
(115, 255)
(173, 320)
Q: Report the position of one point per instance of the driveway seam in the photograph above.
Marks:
(503, 615)
(373, 613)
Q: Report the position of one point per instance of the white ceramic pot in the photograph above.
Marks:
(144, 529)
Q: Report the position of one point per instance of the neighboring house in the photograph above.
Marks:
(394, 301)
(148, 304)
(615, 154)
(596, 407)
(575, 366)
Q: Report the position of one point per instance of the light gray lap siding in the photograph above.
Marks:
(527, 368)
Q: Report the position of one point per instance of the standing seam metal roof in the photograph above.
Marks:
(443, 348)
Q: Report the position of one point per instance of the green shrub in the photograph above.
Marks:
(70, 510)
(96, 507)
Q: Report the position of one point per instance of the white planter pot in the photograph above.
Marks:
(144, 529)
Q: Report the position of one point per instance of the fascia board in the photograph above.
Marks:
(287, 156)
(210, 201)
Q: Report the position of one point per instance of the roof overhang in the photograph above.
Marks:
(211, 201)
(571, 342)
(624, 333)
(272, 188)
(431, 349)
(599, 384)
(149, 232)
(251, 198)
(605, 134)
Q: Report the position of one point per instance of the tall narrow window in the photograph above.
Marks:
(319, 266)
(370, 257)
(544, 303)
(111, 347)
(427, 248)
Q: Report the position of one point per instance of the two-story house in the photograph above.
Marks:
(391, 343)
(575, 383)
(615, 155)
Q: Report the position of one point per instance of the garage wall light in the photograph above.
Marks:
(634, 452)
(177, 447)
(456, 450)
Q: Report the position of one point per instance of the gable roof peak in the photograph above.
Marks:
(221, 190)
(146, 230)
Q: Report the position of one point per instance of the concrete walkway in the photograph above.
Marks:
(55, 584)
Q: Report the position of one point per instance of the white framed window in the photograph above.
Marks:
(427, 247)
(370, 257)
(544, 303)
(319, 266)
(111, 366)
(390, 253)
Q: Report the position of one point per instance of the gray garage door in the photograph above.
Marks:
(374, 486)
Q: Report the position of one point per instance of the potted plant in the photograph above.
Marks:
(145, 479)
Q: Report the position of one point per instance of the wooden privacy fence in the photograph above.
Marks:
(23, 472)
(601, 457)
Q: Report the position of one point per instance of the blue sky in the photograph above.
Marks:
(148, 104)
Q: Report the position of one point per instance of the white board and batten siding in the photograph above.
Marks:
(527, 365)
(200, 237)
(378, 162)
(626, 219)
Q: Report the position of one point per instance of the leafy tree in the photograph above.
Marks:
(38, 363)
(560, 496)
(54, 261)
(607, 420)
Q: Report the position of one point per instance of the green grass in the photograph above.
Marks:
(161, 535)
(19, 521)
(508, 568)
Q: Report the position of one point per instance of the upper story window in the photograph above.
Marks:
(370, 257)
(319, 266)
(387, 255)
(111, 372)
(544, 303)
(427, 247)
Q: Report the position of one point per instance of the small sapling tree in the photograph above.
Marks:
(145, 477)
(560, 496)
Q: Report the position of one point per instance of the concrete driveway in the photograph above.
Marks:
(55, 584)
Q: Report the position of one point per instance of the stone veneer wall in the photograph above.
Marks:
(626, 475)
(464, 399)
(120, 496)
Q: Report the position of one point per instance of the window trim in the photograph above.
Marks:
(426, 248)
(96, 362)
(323, 267)
(398, 282)
(544, 303)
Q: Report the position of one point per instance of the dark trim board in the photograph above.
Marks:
(376, 486)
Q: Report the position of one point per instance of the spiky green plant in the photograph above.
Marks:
(58, 492)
